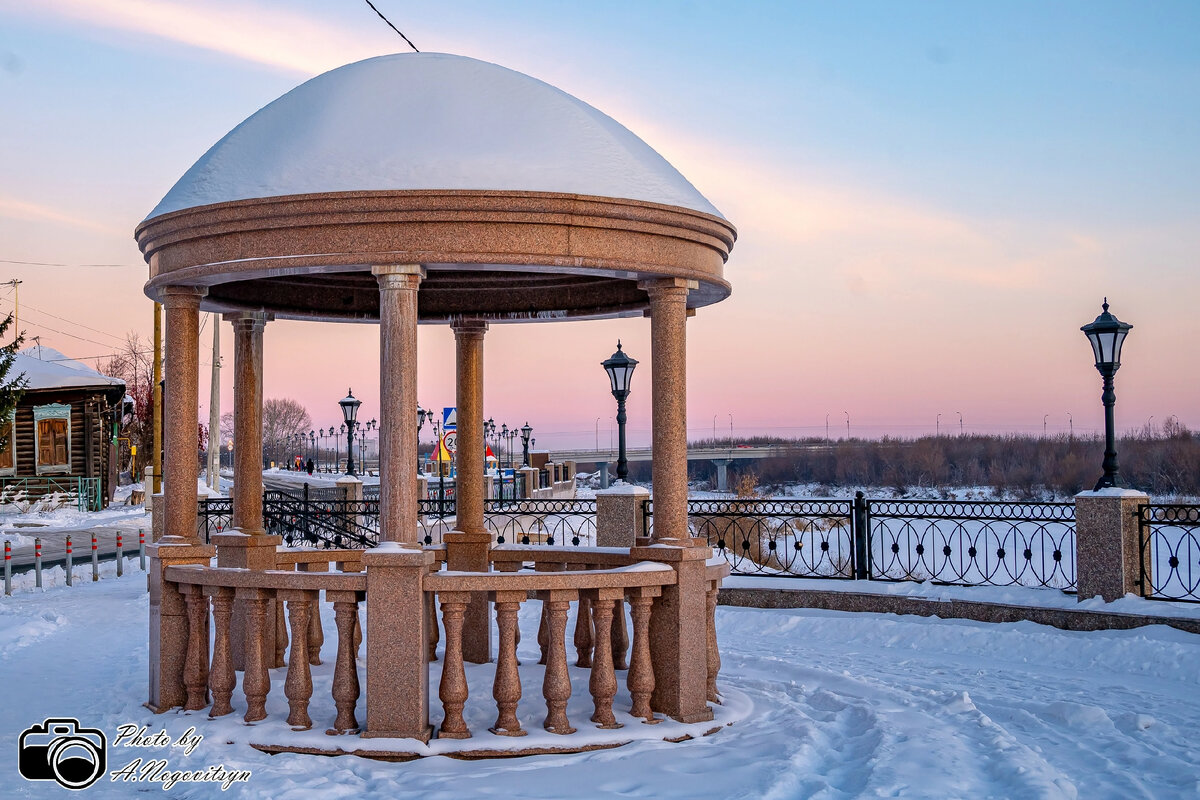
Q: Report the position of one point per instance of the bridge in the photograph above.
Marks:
(721, 457)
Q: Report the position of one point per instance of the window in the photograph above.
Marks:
(8, 463)
(52, 428)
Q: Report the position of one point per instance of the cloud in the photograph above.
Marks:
(282, 39)
(12, 208)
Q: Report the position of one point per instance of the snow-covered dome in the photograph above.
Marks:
(417, 121)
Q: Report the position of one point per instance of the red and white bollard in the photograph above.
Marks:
(142, 548)
(120, 556)
(95, 560)
(37, 563)
(70, 562)
(7, 567)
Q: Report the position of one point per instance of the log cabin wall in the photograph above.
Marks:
(91, 434)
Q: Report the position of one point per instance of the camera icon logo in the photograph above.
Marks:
(59, 750)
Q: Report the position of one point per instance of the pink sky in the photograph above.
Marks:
(871, 276)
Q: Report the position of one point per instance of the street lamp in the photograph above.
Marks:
(525, 431)
(422, 415)
(619, 367)
(350, 405)
(1106, 335)
(312, 440)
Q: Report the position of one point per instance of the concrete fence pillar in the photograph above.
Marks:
(1107, 552)
(620, 516)
(397, 654)
(531, 481)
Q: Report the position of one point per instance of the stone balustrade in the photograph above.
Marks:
(598, 582)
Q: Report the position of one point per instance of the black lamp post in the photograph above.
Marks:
(619, 367)
(1106, 335)
(422, 414)
(525, 431)
(350, 405)
(312, 440)
(504, 436)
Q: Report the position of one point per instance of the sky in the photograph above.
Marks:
(931, 198)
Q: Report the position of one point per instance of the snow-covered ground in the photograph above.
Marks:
(844, 705)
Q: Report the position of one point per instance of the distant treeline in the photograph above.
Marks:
(1163, 461)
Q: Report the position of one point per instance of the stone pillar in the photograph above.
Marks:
(168, 622)
(398, 287)
(668, 345)
(679, 632)
(397, 644)
(247, 420)
(469, 490)
(620, 516)
(182, 467)
(722, 465)
(1107, 555)
(468, 544)
(531, 480)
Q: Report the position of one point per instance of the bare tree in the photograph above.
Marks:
(282, 417)
(133, 363)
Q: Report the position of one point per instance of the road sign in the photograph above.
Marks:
(449, 418)
(450, 441)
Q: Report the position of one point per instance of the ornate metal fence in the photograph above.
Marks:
(792, 538)
(354, 524)
(972, 544)
(1169, 539)
(969, 544)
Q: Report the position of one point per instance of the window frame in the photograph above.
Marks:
(51, 411)
(12, 444)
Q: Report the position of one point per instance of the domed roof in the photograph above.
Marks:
(419, 121)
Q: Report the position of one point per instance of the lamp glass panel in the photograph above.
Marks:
(1094, 341)
(1119, 340)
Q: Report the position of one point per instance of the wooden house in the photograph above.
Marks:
(62, 434)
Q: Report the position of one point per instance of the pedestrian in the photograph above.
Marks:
(309, 466)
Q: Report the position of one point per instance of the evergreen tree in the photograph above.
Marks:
(11, 389)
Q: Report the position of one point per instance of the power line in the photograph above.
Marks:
(393, 27)
(49, 264)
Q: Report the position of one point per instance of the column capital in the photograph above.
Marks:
(257, 319)
(658, 285)
(469, 327)
(182, 296)
(399, 276)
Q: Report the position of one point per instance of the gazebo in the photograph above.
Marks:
(408, 189)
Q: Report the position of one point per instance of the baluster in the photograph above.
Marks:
(357, 634)
(507, 686)
(583, 632)
(432, 622)
(345, 673)
(222, 678)
(453, 689)
(640, 679)
(543, 635)
(195, 665)
(556, 685)
(603, 683)
(281, 636)
(256, 682)
(316, 633)
(714, 654)
(620, 636)
(298, 686)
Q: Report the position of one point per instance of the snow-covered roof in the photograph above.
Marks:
(46, 368)
(429, 121)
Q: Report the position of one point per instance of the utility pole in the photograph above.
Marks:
(214, 410)
(16, 307)
(157, 401)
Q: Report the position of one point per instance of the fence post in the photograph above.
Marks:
(620, 516)
(142, 549)
(1108, 557)
(7, 567)
(37, 563)
(862, 542)
(70, 561)
(120, 557)
(95, 560)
